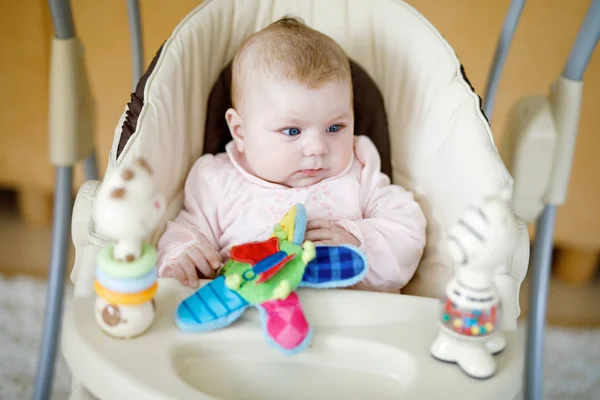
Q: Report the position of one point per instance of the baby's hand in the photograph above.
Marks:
(201, 258)
(324, 232)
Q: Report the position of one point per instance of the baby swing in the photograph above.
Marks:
(414, 101)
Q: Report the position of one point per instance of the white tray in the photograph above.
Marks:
(365, 346)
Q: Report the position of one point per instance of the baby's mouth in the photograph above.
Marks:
(310, 172)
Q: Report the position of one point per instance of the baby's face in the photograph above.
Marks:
(294, 135)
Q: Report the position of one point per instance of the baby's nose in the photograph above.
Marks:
(315, 146)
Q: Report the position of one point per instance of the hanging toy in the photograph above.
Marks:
(266, 275)
(128, 210)
(479, 243)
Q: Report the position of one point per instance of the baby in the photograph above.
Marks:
(292, 124)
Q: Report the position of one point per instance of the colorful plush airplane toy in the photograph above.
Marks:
(265, 275)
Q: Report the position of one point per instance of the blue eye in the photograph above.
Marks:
(291, 131)
(334, 128)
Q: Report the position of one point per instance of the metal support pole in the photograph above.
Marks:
(90, 166)
(61, 228)
(137, 45)
(508, 30)
(538, 293)
(62, 18)
(63, 203)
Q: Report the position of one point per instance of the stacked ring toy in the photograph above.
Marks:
(125, 292)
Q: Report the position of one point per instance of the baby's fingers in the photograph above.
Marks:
(324, 243)
(191, 277)
(317, 235)
(174, 271)
(213, 258)
(319, 224)
(197, 255)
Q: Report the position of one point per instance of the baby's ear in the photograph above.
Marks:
(236, 128)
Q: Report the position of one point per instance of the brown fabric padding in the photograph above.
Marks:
(480, 102)
(134, 107)
(370, 116)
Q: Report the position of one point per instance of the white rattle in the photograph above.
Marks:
(127, 209)
(478, 244)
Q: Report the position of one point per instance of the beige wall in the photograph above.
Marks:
(542, 42)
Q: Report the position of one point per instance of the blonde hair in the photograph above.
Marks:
(289, 49)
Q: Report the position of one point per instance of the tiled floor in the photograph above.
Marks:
(27, 251)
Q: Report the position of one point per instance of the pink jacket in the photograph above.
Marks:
(225, 205)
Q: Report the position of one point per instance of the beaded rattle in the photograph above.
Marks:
(478, 244)
(127, 209)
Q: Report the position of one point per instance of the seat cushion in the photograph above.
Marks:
(440, 144)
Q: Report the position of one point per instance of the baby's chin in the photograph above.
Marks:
(304, 179)
(297, 180)
(300, 178)
(303, 182)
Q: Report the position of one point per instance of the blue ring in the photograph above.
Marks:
(248, 271)
(131, 285)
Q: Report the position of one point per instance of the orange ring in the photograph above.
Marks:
(126, 299)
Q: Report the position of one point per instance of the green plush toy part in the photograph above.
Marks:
(275, 276)
(266, 275)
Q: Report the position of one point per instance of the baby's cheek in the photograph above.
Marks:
(266, 162)
(273, 158)
(341, 158)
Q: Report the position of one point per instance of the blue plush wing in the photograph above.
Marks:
(211, 307)
(300, 224)
(335, 266)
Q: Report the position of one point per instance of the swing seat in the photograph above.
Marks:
(414, 101)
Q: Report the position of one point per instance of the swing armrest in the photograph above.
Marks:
(528, 149)
(86, 239)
